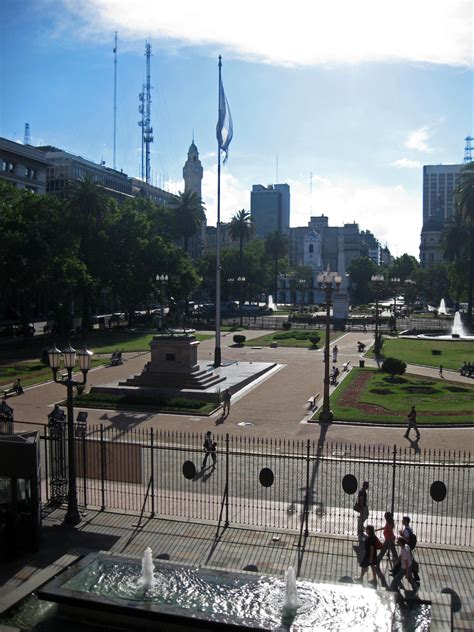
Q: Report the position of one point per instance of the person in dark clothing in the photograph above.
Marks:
(210, 448)
(362, 507)
(226, 396)
(411, 418)
(370, 556)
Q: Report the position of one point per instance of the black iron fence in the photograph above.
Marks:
(306, 485)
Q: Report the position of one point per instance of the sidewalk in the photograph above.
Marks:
(318, 557)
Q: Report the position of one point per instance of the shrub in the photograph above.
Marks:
(286, 325)
(394, 366)
(314, 340)
(239, 339)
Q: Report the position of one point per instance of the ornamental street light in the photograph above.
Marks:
(327, 281)
(162, 278)
(69, 354)
(240, 281)
(395, 283)
(377, 280)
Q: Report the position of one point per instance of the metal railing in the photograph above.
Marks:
(306, 485)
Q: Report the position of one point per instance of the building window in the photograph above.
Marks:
(311, 248)
(8, 166)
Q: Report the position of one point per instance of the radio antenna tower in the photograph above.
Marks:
(468, 149)
(147, 129)
(115, 100)
(27, 138)
(310, 191)
(141, 123)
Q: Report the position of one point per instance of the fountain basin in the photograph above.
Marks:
(192, 597)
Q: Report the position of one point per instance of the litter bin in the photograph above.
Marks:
(361, 364)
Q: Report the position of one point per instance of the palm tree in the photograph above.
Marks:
(89, 205)
(241, 228)
(276, 245)
(188, 215)
(464, 201)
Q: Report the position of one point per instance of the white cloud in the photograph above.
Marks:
(406, 163)
(417, 139)
(392, 213)
(304, 33)
(235, 195)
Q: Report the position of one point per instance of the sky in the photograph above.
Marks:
(344, 101)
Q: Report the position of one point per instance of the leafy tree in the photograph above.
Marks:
(241, 229)
(403, 267)
(394, 366)
(360, 271)
(464, 203)
(276, 246)
(188, 213)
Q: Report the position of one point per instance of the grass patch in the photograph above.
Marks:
(30, 372)
(233, 328)
(291, 338)
(436, 401)
(158, 404)
(452, 355)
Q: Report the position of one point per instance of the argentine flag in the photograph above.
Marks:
(224, 129)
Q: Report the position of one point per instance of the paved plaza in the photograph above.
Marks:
(275, 407)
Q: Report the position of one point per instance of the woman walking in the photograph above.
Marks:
(370, 557)
(389, 538)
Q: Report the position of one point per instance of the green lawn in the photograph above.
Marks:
(30, 372)
(291, 338)
(452, 355)
(124, 402)
(437, 401)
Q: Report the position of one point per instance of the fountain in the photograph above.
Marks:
(148, 568)
(458, 329)
(271, 303)
(104, 588)
(457, 332)
(442, 307)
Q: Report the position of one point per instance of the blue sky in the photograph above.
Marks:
(358, 94)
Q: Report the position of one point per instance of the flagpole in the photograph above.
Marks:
(217, 349)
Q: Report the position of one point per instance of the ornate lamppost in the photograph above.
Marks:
(329, 282)
(162, 278)
(73, 516)
(377, 280)
(395, 283)
(240, 281)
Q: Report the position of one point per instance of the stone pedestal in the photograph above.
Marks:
(173, 354)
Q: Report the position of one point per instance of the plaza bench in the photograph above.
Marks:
(312, 400)
(345, 366)
(11, 390)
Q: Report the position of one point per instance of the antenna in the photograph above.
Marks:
(147, 129)
(468, 149)
(27, 138)
(115, 100)
(276, 181)
(141, 109)
(311, 192)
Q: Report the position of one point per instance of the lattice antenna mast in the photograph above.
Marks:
(115, 100)
(148, 129)
(141, 123)
(468, 149)
(27, 138)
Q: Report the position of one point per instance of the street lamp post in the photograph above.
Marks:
(395, 282)
(377, 280)
(240, 281)
(73, 516)
(163, 278)
(327, 281)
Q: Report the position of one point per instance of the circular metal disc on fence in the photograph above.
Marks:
(189, 470)
(266, 477)
(438, 491)
(349, 484)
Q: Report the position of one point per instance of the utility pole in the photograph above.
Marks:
(115, 101)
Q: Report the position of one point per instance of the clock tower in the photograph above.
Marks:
(192, 171)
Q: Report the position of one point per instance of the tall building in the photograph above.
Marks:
(23, 166)
(270, 208)
(192, 174)
(439, 182)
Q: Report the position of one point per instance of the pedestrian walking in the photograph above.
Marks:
(226, 396)
(406, 532)
(370, 556)
(335, 351)
(210, 448)
(362, 508)
(406, 567)
(411, 419)
(388, 538)
(440, 370)
(17, 387)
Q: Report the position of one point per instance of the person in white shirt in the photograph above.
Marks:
(406, 567)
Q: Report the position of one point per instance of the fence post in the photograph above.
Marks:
(102, 466)
(84, 472)
(394, 465)
(227, 479)
(152, 475)
(46, 462)
(306, 508)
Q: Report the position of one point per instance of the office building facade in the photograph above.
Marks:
(270, 209)
(23, 166)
